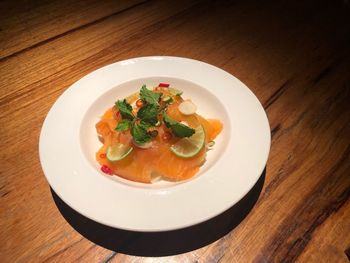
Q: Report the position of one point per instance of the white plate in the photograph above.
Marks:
(68, 143)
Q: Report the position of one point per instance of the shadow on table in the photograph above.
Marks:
(162, 243)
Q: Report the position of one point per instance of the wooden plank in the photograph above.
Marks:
(326, 241)
(307, 173)
(27, 24)
(32, 237)
(108, 37)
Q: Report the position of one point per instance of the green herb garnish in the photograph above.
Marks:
(123, 125)
(149, 96)
(125, 109)
(167, 99)
(179, 129)
(149, 113)
(147, 116)
(140, 134)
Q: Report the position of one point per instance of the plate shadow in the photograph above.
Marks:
(166, 243)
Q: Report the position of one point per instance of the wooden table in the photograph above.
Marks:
(294, 56)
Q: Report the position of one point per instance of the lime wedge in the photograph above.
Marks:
(175, 92)
(118, 152)
(189, 147)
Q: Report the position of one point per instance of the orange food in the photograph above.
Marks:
(141, 165)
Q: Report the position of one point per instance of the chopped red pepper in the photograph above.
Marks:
(117, 115)
(164, 85)
(106, 169)
(167, 136)
(139, 103)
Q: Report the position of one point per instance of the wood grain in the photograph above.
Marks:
(28, 24)
(294, 56)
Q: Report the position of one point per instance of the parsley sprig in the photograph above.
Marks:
(147, 117)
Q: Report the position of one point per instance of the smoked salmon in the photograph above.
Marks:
(144, 164)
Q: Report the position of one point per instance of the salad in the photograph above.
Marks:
(154, 134)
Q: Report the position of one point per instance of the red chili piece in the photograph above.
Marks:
(167, 136)
(103, 155)
(164, 85)
(139, 103)
(117, 114)
(106, 169)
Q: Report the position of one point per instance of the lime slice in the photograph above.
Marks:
(175, 92)
(144, 145)
(189, 147)
(118, 152)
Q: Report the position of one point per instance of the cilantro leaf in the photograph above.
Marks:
(148, 113)
(179, 129)
(140, 134)
(123, 125)
(125, 109)
(149, 96)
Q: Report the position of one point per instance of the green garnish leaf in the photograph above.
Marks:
(179, 129)
(149, 96)
(125, 109)
(175, 92)
(145, 125)
(123, 125)
(168, 121)
(140, 134)
(147, 116)
(148, 113)
(167, 99)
